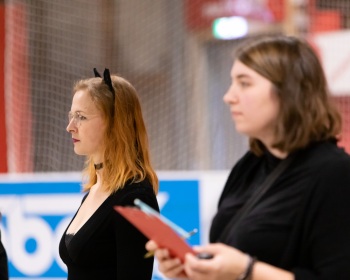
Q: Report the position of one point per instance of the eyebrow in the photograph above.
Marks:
(79, 111)
(242, 76)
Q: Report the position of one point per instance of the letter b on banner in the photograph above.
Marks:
(30, 236)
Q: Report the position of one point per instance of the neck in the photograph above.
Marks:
(277, 153)
(268, 141)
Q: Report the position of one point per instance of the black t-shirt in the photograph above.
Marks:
(302, 223)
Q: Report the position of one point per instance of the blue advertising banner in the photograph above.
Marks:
(35, 215)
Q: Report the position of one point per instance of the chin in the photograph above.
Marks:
(246, 133)
(242, 130)
(78, 152)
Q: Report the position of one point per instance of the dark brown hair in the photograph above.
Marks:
(307, 113)
(126, 155)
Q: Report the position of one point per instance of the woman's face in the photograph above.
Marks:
(253, 104)
(86, 126)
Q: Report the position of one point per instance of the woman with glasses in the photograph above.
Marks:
(107, 127)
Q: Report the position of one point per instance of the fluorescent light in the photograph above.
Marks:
(227, 28)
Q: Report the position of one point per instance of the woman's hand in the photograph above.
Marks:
(170, 267)
(227, 263)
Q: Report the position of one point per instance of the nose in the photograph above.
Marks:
(71, 127)
(230, 97)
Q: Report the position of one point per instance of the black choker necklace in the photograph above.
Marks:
(98, 166)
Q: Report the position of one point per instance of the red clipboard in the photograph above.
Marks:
(154, 228)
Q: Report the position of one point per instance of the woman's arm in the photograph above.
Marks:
(230, 263)
(130, 242)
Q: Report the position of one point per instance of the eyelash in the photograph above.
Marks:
(244, 84)
(76, 116)
(81, 117)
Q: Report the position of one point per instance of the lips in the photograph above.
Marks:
(235, 113)
(75, 140)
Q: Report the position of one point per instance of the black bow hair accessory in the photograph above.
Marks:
(106, 78)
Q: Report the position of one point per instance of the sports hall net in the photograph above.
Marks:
(167, 50)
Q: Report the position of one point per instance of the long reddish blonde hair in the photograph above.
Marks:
(126, 155)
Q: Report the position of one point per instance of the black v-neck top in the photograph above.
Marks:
(68, 238)
(107, 246)
(302, 223)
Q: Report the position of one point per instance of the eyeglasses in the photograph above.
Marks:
(78, 118)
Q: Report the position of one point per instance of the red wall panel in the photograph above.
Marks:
(3, 145)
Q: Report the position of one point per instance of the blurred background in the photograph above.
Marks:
(177, 53)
